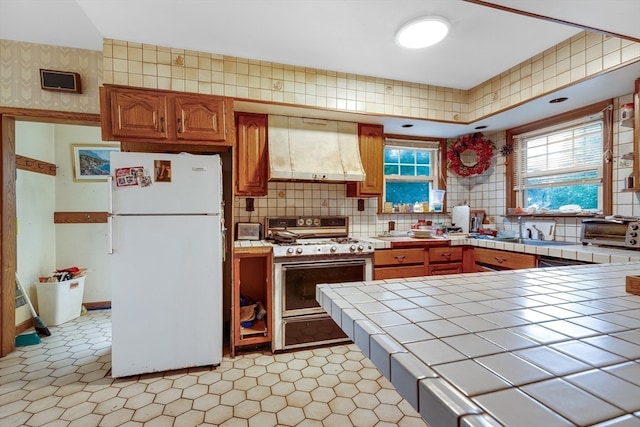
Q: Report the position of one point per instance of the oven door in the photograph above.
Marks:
(299, 283)
(313, 330)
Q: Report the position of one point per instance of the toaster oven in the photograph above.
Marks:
(613, 231)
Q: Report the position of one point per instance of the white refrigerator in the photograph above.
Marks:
(166, 250)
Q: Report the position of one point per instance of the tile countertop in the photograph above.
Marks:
(539, 347)
(596, 254)
(589, 253)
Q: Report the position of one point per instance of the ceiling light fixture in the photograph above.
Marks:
(422, 32)
(558, 100)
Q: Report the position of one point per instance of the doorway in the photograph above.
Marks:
(8, 258)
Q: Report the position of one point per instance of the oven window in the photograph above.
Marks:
(300, 281)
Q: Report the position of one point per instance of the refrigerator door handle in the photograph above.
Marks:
(110, 234)
(223, 234)
(109, 216)
(110, 200)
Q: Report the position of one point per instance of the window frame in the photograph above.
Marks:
(439, 162)
(511, 199)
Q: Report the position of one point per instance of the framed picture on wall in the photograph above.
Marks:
(91, 161)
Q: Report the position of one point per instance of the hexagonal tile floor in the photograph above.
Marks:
(64, 382)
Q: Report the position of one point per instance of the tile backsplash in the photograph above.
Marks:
(326, 199)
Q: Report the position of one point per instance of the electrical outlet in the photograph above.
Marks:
(249, 207)
(360, 205)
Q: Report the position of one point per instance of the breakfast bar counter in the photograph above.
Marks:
(528, 348)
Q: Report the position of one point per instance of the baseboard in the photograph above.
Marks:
(97, 305)
(24, 326)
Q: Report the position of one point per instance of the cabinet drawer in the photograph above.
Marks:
(398, 272)
(447, 254)
(445, 268)
(398, 257)
(503, 259)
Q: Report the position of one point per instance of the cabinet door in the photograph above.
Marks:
(504, 260)
(371, 143)
(251, 155)
(200, 118)
(138, 114)
(398, 257)
(447, 254)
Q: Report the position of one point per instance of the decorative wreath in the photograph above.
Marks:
(475, 142)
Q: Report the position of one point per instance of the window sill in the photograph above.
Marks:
(411, 213)
(554, 215)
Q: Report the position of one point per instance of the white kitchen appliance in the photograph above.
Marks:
(166, 261)
(460, 217)
(308, 251)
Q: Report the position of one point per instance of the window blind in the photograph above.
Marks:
(570, 153)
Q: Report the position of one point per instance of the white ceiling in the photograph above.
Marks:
(353, 36)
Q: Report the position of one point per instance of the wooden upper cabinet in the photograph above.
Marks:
(371, 142)
(199, 118)
(138, 114)
(149, 115)
(252, 160)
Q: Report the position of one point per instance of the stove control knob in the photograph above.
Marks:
(633, 234)
(289, 251)
(634, 226)
(308, 221)
(633, 242)
(300, 222)
(333, 249)
(316, 222)
(299, 251)
(352, 248)
(360, 248)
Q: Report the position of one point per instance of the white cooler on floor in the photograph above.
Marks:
(59, 302)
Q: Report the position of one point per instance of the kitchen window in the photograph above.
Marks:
(411, 171)
(563, 161)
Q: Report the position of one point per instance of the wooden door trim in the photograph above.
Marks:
(8, 260)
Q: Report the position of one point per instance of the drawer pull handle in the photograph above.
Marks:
(446, 254)
(162, 124)
(500, 259)
(399, 258)
(179, 125)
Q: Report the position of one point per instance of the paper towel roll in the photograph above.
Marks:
(460, 217)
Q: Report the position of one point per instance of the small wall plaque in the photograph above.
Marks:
(60, 81)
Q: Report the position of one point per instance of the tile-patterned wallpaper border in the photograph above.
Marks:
(580, 57)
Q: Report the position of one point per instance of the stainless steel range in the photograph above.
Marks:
(308, 251)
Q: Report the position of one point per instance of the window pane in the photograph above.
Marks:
(423, 157)
(407, 170)
(391, 169)
(423, 170)
(407, 156)
(586, 196)
(407, 192)
(562, 178)
(391, 155)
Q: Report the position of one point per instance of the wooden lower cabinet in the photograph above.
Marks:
(494, 259)
(252, 285)
(445, 260)
(398, 263)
